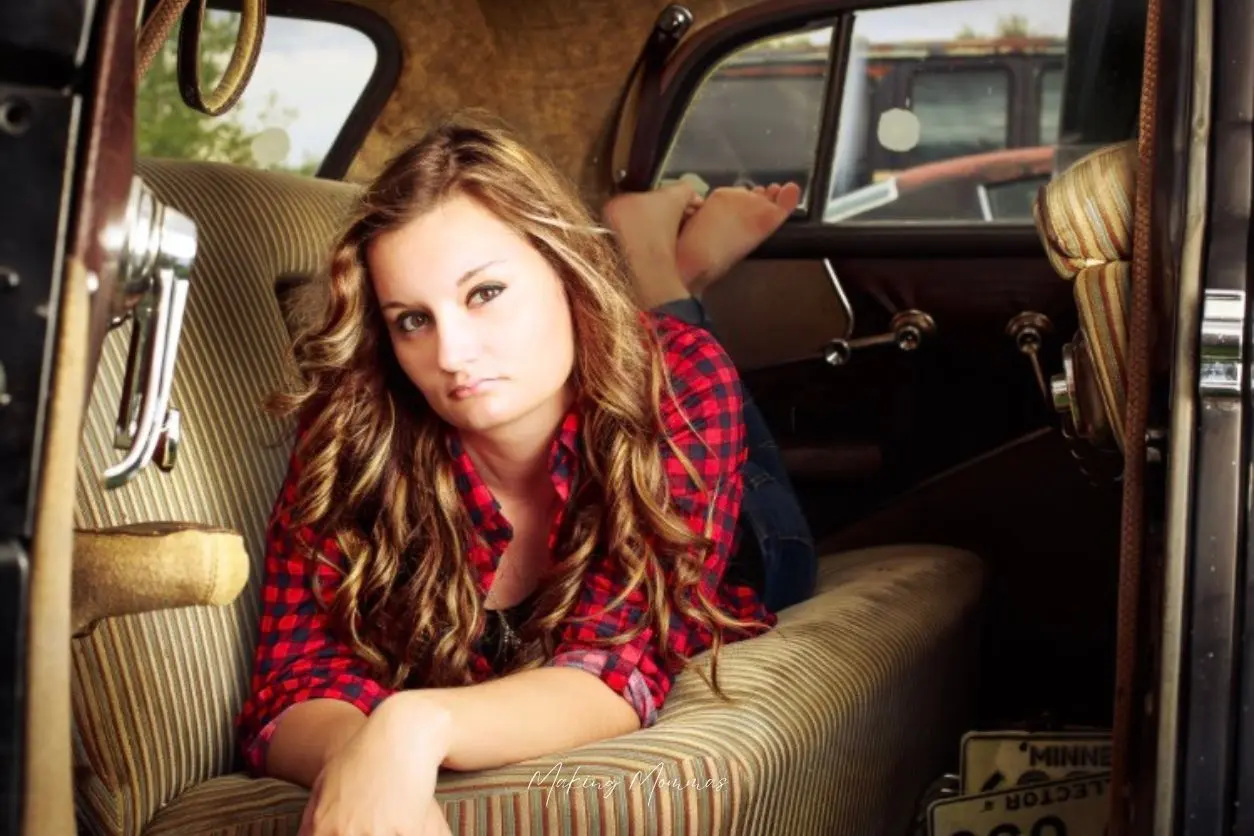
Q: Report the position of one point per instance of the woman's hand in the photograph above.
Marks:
(382, 782)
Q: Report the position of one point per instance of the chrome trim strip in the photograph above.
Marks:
(1222, 349)
(840, 294)
(986, 203)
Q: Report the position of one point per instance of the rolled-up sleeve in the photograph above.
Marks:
(298, 656)
(705, 421)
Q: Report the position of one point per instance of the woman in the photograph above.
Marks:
(510, 509)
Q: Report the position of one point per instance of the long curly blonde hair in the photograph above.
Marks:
(377, 475)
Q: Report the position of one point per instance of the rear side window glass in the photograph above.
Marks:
(309, 77)
(755, 118)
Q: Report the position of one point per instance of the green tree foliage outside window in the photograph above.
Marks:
(1010, 26)
(168, 128)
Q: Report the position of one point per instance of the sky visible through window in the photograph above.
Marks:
(316, 69)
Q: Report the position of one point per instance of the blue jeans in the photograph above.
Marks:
(771, 522)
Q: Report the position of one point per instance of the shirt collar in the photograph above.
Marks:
(485, 511)
(564, 454)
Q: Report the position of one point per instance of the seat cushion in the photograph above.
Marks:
(1085, 219)
(1102, 302)
(1085, 214)
(839, 719)
(154, 695)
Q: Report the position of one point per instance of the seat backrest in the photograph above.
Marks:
(1085, 219)
(155, 695)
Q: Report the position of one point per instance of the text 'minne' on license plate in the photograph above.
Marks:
(1003, 760)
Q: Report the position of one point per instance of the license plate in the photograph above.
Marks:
(1076, 807)
(1005, 759)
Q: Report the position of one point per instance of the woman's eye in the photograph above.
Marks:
(486, 293)
(410, 321)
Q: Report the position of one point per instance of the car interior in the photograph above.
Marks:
(949, 386)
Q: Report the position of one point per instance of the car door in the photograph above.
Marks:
(900, 331)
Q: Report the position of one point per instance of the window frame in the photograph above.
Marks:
(703, 55)
(379, 87)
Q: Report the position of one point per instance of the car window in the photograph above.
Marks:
(309, 76)
(755, 117)
(950, 113)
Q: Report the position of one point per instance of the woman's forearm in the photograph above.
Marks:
(525, 715)
(306, 737)
(495, 723)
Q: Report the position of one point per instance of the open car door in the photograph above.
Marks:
(67, 90)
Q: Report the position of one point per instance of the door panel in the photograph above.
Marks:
(771, 312)
(858, 433)
(966, 390)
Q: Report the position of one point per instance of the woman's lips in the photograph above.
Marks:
(474, 387)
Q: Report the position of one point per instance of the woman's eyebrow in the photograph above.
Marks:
(470, 274)
(465, 277)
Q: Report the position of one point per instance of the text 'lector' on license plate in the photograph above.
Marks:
(1075, 807)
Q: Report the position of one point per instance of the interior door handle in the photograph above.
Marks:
(155, 263)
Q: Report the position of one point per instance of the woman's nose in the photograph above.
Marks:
(458, 344)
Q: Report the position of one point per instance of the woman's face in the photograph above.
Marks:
(477, 317)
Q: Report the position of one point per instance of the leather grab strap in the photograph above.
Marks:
(239, 69)
(243, 61)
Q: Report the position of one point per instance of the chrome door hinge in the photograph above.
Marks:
(1222, 344)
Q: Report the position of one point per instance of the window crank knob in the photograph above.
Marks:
(906, 331)
(1028, 331)
(908, 338)
(1028, 340)
(910, 327)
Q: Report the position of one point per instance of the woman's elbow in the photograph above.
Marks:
(307, 735)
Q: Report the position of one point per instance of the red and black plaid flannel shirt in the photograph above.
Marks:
(299, 657)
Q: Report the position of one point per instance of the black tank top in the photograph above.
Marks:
(500, 635)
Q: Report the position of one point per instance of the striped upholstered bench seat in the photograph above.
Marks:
(837, 722)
